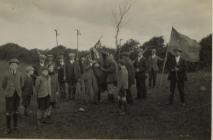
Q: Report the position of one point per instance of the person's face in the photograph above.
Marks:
(51, 68)
(72, 56)
(61, 60)
(31, 72)
(45, 72)
(177, 53)
(153, 52)
(140, 54)
(42, 60)
(13, 66)
(50, 59)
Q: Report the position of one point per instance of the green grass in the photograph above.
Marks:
(151, 119)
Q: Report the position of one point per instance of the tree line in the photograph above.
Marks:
(12, 50)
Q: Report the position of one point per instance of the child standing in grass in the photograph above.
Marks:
(54, 88)
(27, 89)
(43, 90)
(11, 85)
(122, 87)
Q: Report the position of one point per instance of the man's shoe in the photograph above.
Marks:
(7, 131)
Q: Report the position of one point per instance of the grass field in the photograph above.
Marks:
(151, 118)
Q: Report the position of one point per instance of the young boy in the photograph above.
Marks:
(11, 85)
(54, 88)
(43, 89)
(27, 89)
(122, 87)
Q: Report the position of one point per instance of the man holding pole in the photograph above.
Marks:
(177, 75)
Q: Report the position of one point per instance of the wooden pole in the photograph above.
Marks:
(164, 64)
(56, 36)
(78, 33)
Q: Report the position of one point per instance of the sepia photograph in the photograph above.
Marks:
(106, 69)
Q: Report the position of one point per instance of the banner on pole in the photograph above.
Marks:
(190, 48)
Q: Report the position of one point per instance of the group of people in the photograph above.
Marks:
(68, 79)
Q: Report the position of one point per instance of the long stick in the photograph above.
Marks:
(164, 64)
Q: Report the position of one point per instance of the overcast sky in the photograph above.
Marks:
(31, 23)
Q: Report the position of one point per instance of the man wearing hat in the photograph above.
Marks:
(62, 76)
(11, 84)
(141, 69)
(73, 73)
(177, 75)
(131, 75)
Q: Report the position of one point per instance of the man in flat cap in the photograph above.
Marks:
(73, 73)
(11, 84)
(131, 75)
(141, 70)
(177, 75)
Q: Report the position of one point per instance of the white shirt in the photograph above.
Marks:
(62, 63)
(42, 64)
(71, 61)
(177, 58)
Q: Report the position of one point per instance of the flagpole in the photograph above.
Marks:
(78, 33)
(56, 36)
(164, 64)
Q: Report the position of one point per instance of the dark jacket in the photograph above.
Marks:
(61, 73)
(111, 69)
(181, 73)
(72, 71)
(142, 66)
(12, 83)
(27, 89)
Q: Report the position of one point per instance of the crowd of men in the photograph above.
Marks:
(66, 80)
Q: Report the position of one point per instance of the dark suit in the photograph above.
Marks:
(61, 80)
(141, 77)
(73, 73)
(177, 77)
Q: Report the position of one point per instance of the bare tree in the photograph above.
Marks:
(119, 16)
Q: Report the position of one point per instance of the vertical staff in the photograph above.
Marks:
(78, 33)
(56, 36)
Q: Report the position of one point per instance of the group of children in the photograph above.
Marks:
(18, 87)
(45, 88)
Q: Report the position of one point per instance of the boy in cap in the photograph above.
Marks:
(11, 85)
(177, 75)
(43, 90)
(27, 89)
(54, 88)
(122, 86)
